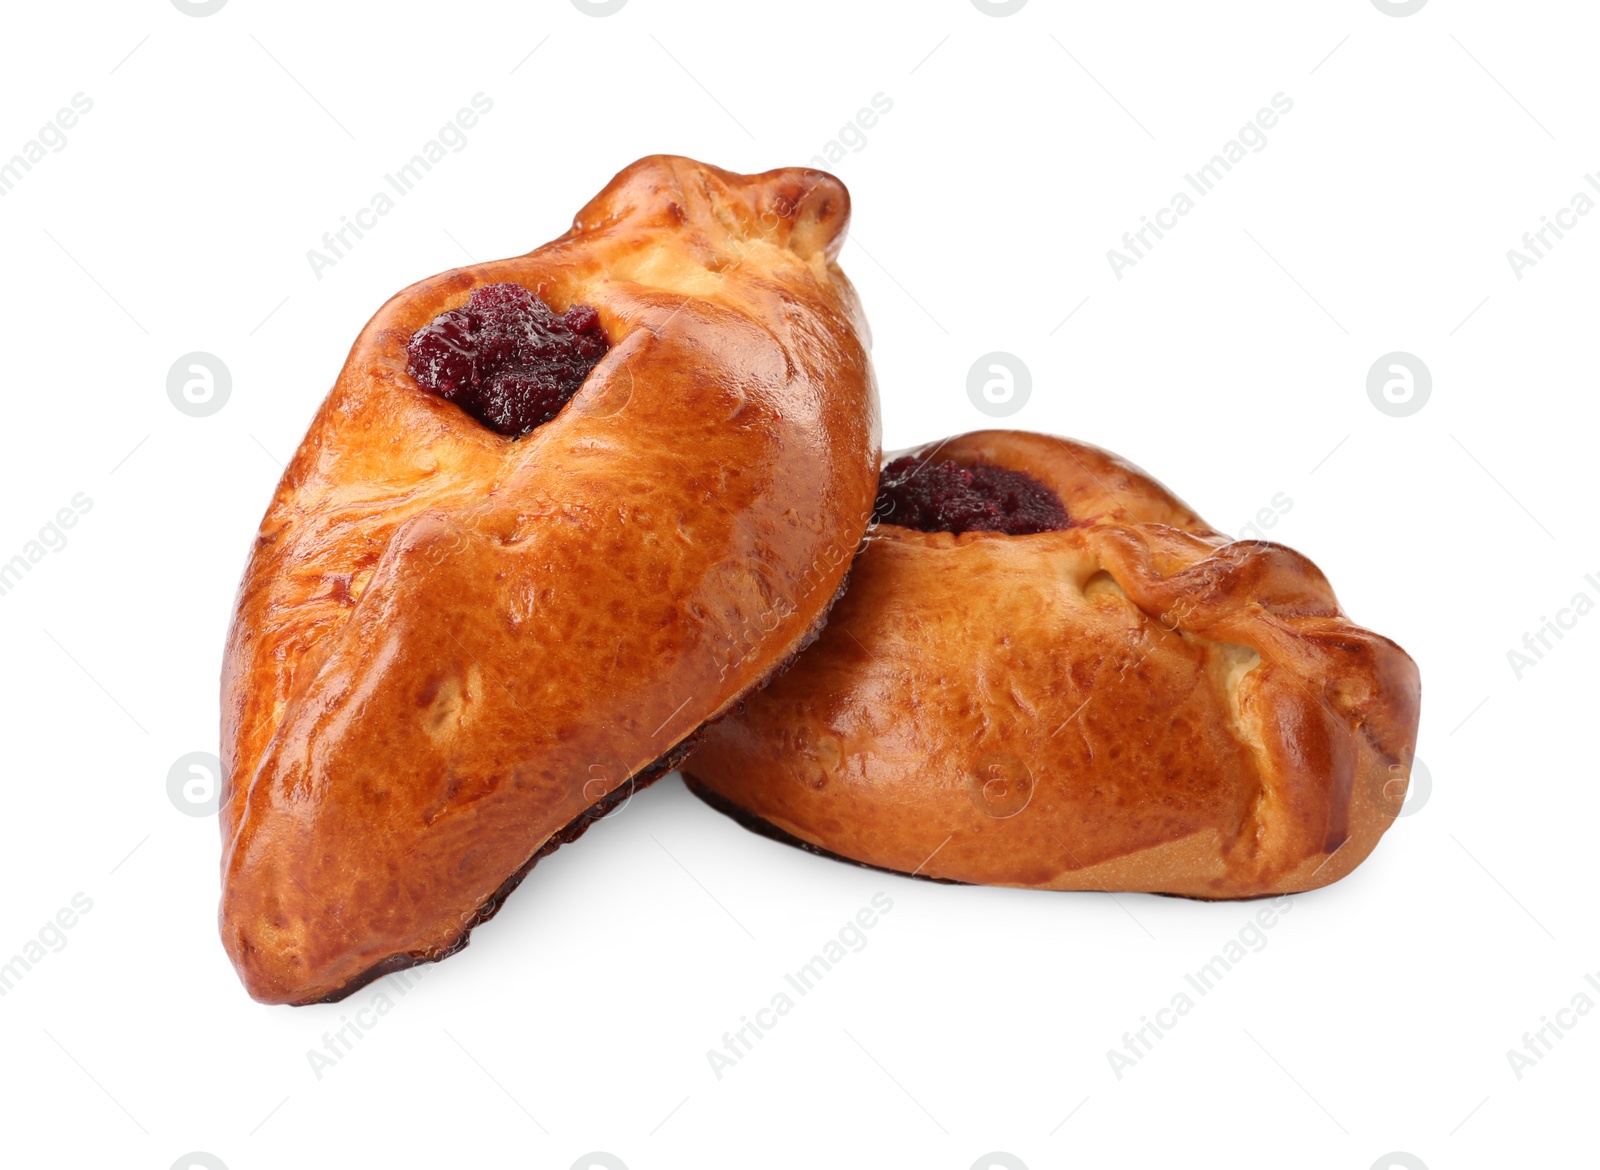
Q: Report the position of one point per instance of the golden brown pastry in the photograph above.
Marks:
(478, 613)
(1049, 672)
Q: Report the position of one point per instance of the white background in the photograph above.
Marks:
(1231, 362)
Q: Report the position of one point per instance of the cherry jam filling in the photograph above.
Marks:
(946, 497)
(506, 358)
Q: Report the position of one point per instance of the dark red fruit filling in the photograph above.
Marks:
(946, 497)
(506, 358)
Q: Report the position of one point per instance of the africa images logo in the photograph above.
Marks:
(1204, 180)
(52, 136)
(452, 138)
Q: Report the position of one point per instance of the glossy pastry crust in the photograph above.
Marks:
(450, 645)
(1133, 703)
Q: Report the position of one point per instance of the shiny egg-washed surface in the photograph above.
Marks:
(1132, 703)
(449, 643)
